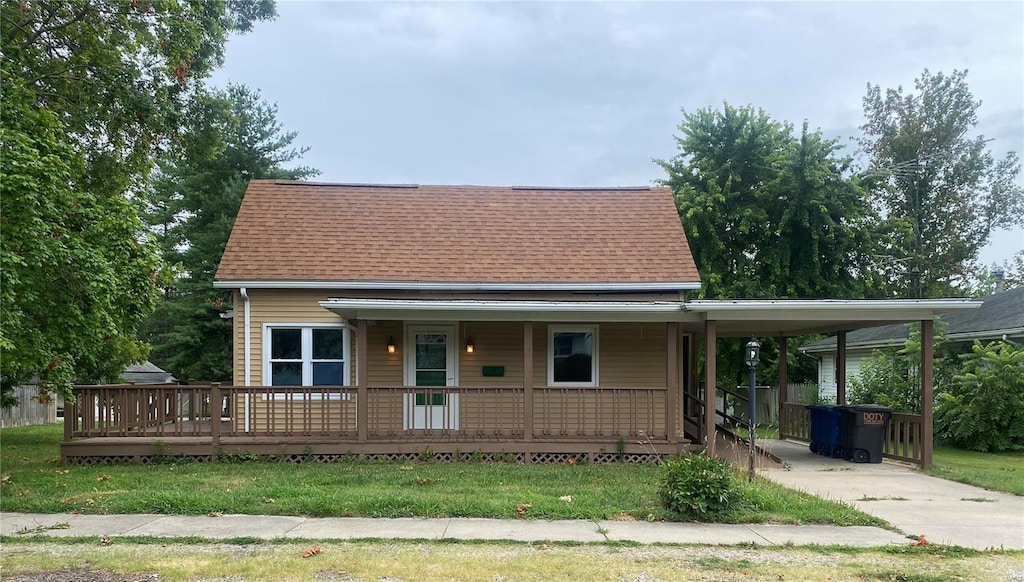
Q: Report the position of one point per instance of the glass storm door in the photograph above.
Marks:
(430, 365)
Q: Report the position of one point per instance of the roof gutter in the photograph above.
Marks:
(248, 351)
(444, 286)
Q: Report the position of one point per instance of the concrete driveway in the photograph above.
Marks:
(944, 511)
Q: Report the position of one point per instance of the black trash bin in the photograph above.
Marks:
(863, 432)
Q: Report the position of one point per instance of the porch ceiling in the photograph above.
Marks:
(734, 317)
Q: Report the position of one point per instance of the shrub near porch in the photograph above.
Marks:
(34, 481)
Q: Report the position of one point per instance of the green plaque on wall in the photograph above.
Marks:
(494, 371)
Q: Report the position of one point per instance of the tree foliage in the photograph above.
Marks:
(983, 409)
(769, 214)
(232, 136)
(892, 375)
(941, 190)
(92, 90)
(75, 279)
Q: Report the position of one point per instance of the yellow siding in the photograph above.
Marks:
(629, 354)
(632, 354)
(496, 344)
(384, 369)
(276, 306)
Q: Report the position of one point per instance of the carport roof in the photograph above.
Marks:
(777, 318)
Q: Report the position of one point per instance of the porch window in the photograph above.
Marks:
(306, 356)
(572, 355)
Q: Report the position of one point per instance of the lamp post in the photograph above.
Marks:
(751, 355)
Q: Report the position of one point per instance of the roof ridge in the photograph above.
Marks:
(316, 184)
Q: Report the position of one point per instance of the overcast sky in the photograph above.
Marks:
(586, 94)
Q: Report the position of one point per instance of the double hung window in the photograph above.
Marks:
(298, 355)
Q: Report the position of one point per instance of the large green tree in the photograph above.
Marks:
(942, 191)
(232, 136)
(91, 90)
(769, 213)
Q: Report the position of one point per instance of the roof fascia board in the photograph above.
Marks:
(712, 305)
(441, 286)
(468, 310)
(850, 310)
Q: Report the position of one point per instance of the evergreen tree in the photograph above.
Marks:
(232, 136)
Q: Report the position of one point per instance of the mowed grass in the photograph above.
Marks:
(33, 481)
(429, 561)
(995, 471)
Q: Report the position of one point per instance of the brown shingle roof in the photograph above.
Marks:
(307, 231)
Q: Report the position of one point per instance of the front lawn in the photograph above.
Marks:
(995, 471)
(33, 481)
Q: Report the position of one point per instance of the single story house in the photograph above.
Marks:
(535, 323)
(1000, 318)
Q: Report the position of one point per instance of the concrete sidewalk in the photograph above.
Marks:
(946, 512)
(275, 527)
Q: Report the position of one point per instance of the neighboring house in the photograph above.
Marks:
(147, 373)
(383, 321)
(1000, 317)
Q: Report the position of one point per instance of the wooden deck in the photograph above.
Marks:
(135, 423)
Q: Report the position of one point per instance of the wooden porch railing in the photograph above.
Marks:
(904, 436)
(904, 439)
(120, 410)
(795, 422)
(599, 412)
(394, 412)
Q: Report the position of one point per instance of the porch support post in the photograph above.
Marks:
(216, 404)
(710, 341)
(527, 381)
(783, 381)
(841, 368)
(672, 381)
(927, 400)
(362, 408)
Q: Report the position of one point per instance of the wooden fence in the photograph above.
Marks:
(29, 411)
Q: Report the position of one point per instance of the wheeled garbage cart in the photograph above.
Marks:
(863, 432)
(826, 430)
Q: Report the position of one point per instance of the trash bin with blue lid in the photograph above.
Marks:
(826, 430)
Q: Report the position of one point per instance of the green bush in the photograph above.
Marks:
(885, 379)
(697, 487)
(983, 408)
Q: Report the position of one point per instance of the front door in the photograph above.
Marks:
(430, 364)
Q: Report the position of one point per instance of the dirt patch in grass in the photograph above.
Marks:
(81, 575)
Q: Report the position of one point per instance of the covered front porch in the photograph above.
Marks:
(525, 381)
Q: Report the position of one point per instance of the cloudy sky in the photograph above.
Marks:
(585, 94)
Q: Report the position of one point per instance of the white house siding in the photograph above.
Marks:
(827, 372)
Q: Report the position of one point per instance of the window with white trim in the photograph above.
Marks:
(572, 355)
(306, 355)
